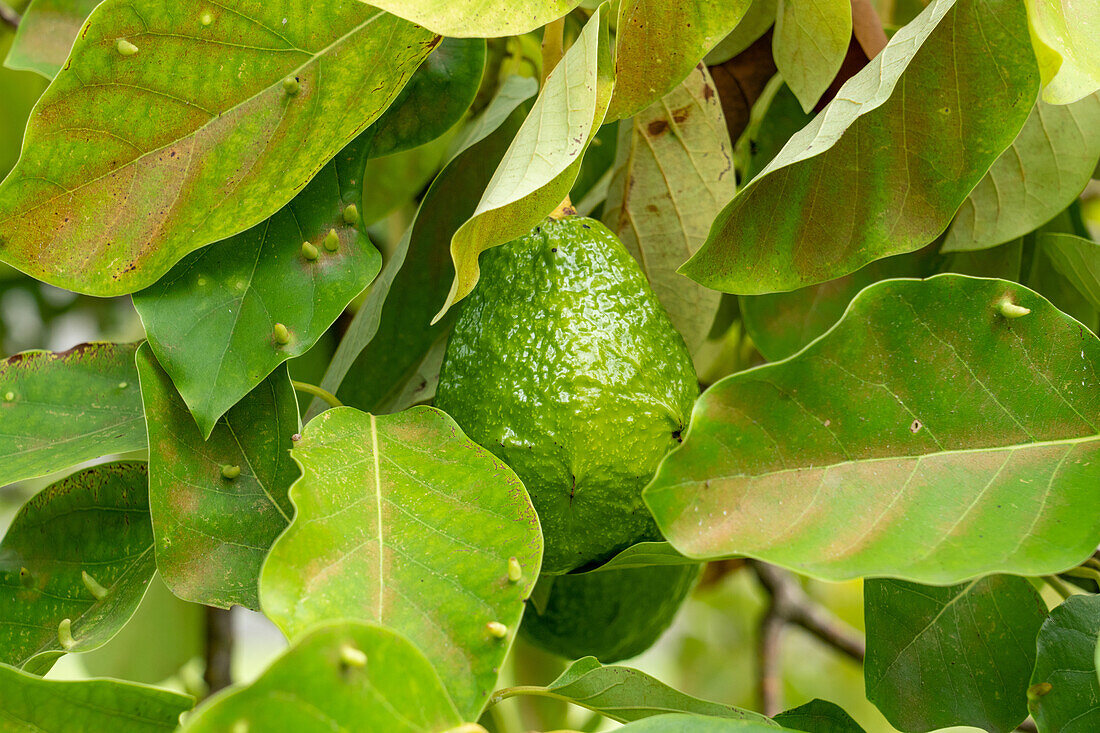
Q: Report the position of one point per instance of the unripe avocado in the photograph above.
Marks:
(610, 615)
(564, 364)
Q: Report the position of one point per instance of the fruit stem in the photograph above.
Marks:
(316, 391)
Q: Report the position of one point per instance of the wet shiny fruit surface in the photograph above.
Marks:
(564, 364)
(610, 615)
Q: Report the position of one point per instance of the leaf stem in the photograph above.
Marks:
(316, 391)
(9, 16)
(1086, 572)
(1057, 585)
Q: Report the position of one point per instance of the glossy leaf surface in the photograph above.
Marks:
(46, 33)
(95, 522)
(402, 520)
(126, 169)
(927, 436)
(1041, 173)
(810, 41)
(34, 704)
(58, 409)
(986, 628)
(1066, 662)
(210, 320)
(673, 175)
(212, 531)
(883, 168)
(542, 162)
(659, 42)
(346, 676)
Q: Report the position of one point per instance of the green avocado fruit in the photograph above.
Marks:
(610, 615)
(565, 365)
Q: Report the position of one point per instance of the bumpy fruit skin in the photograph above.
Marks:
(611, 615)
(564, 364)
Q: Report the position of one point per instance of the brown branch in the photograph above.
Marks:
(793, 605)
(769, 663)
(219, 649)
(9, 16)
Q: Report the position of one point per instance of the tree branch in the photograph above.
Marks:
(769, 661)
(792, 605)
(9, 16)
(219, 649)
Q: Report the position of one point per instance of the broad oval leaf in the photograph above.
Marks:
(1065, 693)
(542, 162)
(126, 168)
(673, 175)
(625, 694)
(810, 42)
(58, 409)
(210, 320)
(986, 629)
(756, 21)
(1078, 259)
(818, 716)
(927, 436)
(404, 521)
(883, 168)
(479, 18)
(1065, 42)
(82, 550)
(643, 555)
(213, 532)
(46, 33)
(659, 42)
(1041, 173)
(346, 676)
(63, 706)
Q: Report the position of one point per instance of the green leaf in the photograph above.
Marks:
(643, 555)
(210, 320)
(757, 20)
(434, 100)
(540, 166)
(927, 436)
(398, 178)
(479, 18)
(625, 694)
(985, 629)
(1064, 696)
(171, 162)
(33, 704)
(58, 409)
(659, 42)
(214, 531)
(346, 676)
(810, 42)
(1063, 34)
(883, 168)
(1041, 173)
(46, 33)
(94, 523)
(781, 120)
(389, 339)
(683, 723)
(818, 716)
(673, 175)
(402, 520)
(1078, 259)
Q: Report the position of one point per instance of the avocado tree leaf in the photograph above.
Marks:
(643, 555)
(1063, 32)
(68, 706)
(659, 42)
(685, 723)
(389, 335)
(810, 41)
(756, 21)
(347, 676)
(404, 521)
(1078, 259)
(434, 100)
(479, 18)
(398, 179)
(929, 436)
(58, 409)
(212, 531)
(46, 33)
(82, 550)
(818, 716)
(986, 628)
(673, 175)
(1064, 696)
(624, 694)
(883, 168)
(539, 167)
(1039, 175)
(210, 320)
(126, 168)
